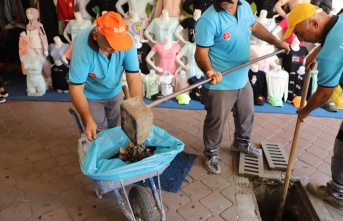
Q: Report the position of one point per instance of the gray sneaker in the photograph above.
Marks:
(250, 150)
(212, 165)
(322, 193)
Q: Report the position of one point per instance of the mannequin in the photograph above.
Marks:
(33, 64)
(166, 83)
(172, 6)
(167, 52)
(291, 5)
(259, 84)
(151, 81)
(268, 23)
(143, 50)
(202, 5)
(190, 24)
(74, 26)
(196, 92)
(188, 51)
(58, 49)
(295, 58)
(260, 49)
(139, 6)
(82, 9)
(180, 81)
(38, 39)
(59, 73)
(65, 11)
(277, 81)
(136, 25)
(24, 45)
(160, 27)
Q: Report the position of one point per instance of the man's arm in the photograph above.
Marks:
(81, 104)
(319, 98)
(204, 63)
(262, 33)
(134, 81)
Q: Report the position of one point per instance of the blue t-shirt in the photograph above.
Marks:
(102, 76)
(330, 57)
(229, 40)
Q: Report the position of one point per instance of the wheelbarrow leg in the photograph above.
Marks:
(158, 200)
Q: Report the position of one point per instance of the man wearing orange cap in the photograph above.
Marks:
(314, 27)
(100, 55)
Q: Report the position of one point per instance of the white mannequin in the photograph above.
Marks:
(163, 21)
(277, 81)
(33, 64)
(263, 16)
(254, 68)
(198, 75)
(57, 45)
(196, 15)
(138, 42)
(135, 5)
(167, 44)
(74, 26)
(58, 62)
(295, 46)
(301, 70)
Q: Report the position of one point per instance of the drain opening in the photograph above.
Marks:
(297, 207)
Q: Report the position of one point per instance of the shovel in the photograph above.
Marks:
(293, 148)
(136, 117)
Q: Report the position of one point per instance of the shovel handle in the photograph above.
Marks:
(158, 101)
(126, 92)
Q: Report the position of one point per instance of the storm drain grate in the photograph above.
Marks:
(250, 165)
(276, 155)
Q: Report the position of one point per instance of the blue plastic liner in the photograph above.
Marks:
(98, 165)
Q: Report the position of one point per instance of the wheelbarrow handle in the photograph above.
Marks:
(158, 101)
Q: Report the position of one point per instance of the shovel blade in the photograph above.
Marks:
(136, 119)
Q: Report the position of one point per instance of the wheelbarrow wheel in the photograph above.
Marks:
(141, 204)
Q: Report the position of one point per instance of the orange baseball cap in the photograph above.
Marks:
(299, 14)
(113, 27)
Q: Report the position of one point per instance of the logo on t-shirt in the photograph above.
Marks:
(226, 36)
(92, 74)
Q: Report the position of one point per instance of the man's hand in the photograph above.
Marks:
(302, 114)
(216, 76)
(91, 130)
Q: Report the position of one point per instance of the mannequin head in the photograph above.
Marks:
(182, 73)
(277, 68)
(254, 68)
(78, 16)
(152, 72)
(263, 15)
(23, 33)
(57, 40)
(137, 41)
(32, 15)
(295, 44)
(167, 73)
(301, 70)
(198, 75)
(196, 14)
(164, 14)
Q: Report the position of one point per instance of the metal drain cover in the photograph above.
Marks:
(276, 156)
(250, 165)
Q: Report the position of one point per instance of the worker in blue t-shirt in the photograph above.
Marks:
(100, 54)
(222, 36)
(313, 27)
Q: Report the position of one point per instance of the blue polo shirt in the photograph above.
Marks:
(228, 38)
(102, 76)
(330, 57)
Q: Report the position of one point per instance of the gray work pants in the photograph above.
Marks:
(218, 104)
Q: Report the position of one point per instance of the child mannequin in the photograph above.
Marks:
(259, 84)
(59, 73)
(151, 83)
(260, 49)
(38, 39)
(74, 26)
(166, 83)
(268, 23)
(180, 81)
(190, 24)
(161, 27)
(196, 92)
(143, 50)
(57, 50)
(136, 25)
(188, 51)
(294, 59)
(277, 81)
(138, 6)
(33, 64)
(167, 52)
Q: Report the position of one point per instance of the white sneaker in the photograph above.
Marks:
(2, 100)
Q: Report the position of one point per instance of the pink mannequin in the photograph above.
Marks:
(38, 39)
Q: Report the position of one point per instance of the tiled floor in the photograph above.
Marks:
(40, 176)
